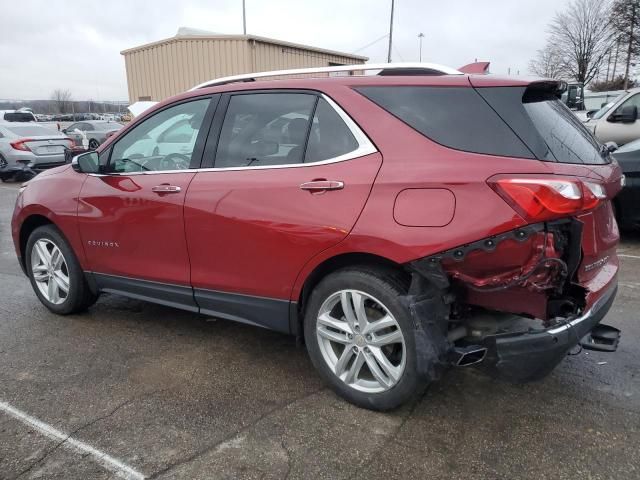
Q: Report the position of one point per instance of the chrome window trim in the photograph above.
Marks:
(365, 147)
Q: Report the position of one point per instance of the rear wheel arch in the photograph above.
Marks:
(355, 260)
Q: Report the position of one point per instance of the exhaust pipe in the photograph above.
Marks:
(467, 356)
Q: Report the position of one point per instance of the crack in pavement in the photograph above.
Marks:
(393, 436)
(84, 427)
(233, 434)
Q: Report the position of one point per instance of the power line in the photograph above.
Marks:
(372, 43)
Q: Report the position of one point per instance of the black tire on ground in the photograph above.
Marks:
(80, 296)
(387, 287)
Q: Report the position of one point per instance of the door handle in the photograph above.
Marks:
(322, 185)
(166, 188)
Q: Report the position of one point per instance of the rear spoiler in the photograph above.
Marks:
(475, 68)
(541, 88)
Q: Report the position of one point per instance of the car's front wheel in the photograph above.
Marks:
(55, 273)
(359, 337)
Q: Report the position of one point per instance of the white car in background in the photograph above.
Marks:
(27, 145)
(17, 116)
(618, 120)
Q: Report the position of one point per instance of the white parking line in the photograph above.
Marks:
(624, 255)
(107, 461)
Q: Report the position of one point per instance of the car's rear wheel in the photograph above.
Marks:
(359, 337)
(55, 273)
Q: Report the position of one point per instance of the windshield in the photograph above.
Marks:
(600, 113)
(19, 117)
(103, 127)
(566, 139)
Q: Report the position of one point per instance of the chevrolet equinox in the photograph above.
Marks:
(400, 222)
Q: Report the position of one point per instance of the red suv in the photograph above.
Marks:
(400, 223)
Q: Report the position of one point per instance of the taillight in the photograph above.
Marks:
(539, 198)
(21, 144)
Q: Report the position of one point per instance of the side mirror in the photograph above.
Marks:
(591, 113)
(611, 146)
(64, 130)
(628, 114)
(86, 163)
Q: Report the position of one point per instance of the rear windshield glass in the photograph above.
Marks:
(19, 117)
(545, 124)
(31, 131)
(456, 117)
(566, 138)
(103, 127)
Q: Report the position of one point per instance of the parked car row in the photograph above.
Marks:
(25, 147)
(95, 132)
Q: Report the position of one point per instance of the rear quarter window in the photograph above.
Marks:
(456, 117)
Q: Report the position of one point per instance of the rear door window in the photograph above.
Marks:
(456, 117)
(264, 129)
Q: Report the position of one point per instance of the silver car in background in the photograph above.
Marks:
(97, 131)
(30, 145)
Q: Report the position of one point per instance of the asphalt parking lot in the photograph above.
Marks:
(135, 390)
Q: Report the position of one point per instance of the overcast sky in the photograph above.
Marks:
(74, 45)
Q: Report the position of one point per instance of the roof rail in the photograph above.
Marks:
(400, 68)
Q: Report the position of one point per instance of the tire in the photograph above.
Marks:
(380, 291)
(78, 296)
(93, 144)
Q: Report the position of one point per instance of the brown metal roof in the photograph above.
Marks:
(255, 38)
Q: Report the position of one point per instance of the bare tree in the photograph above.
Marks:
(548, 63)
(582, 35)
(625, 21)
(62, 100)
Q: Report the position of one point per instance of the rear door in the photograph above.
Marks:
(290, 173)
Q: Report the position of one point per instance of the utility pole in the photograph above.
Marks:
(421, 36)
(244, 18)
(615, 60)
(390, 33)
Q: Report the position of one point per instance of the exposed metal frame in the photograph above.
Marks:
(247, 77)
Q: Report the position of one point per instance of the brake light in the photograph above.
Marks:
(543, 198)
(21, 144)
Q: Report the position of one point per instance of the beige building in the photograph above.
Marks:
(160, 69)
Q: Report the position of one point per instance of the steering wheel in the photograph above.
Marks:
(175, 161)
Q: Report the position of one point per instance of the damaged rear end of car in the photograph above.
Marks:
(516, 302)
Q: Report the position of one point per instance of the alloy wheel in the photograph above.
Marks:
(361, 341)
(50, 271)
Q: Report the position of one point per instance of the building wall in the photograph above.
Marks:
(167, 68)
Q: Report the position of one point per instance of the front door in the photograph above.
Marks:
(291, 175)
(131, 218)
